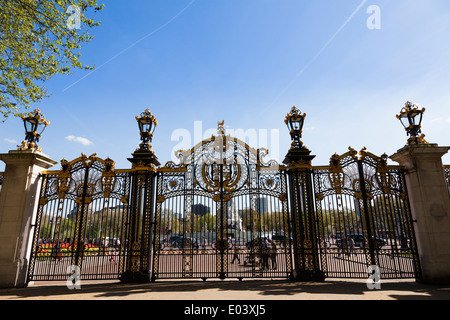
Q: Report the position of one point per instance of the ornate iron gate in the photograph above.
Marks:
(81, 222)
(363, 218)
(222, 212)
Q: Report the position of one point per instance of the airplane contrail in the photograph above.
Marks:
(131, 46)
(318, 53)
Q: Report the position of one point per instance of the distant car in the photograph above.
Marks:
(359, 241)
(182, 242)
(174, 238)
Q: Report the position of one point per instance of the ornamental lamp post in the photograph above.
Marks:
(141, 202)
(294, 121)
(144, 155)
(147, 124)
(411, 118)
(298, 152)
(301, 194)
(35, 125)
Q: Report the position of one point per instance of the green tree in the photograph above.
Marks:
(207, 222)
(170, 221)
(38, 39)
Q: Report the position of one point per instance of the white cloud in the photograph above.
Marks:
(83, 141)
(12, 141)
(448, 120)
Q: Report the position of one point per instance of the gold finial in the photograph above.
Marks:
(220, 127)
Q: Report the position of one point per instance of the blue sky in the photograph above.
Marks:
(248, 62)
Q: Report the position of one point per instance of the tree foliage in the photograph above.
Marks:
(37, 41)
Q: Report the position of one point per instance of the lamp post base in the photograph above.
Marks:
(135, 277)
(297, 156)
(308, 276)
(144, 159)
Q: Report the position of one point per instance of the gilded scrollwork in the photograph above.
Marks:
(336, 174)
(383, 175)
(173, 183)
(356, 185)
(88, 161)
(64, 179)
(343, 175)
(270, 164)
(85, 177)
(108, 178)
(160, 199)
(84, 193)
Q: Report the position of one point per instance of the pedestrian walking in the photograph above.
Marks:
(273, 255)
(351, 246)
(203, 242)
(265, 254)
(236, 255)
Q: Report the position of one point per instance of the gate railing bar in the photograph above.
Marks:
(1, 180)
(447, 176)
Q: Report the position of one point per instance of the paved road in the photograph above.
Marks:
(229, 290)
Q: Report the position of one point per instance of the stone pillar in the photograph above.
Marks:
(430, 207)
(19, 198)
